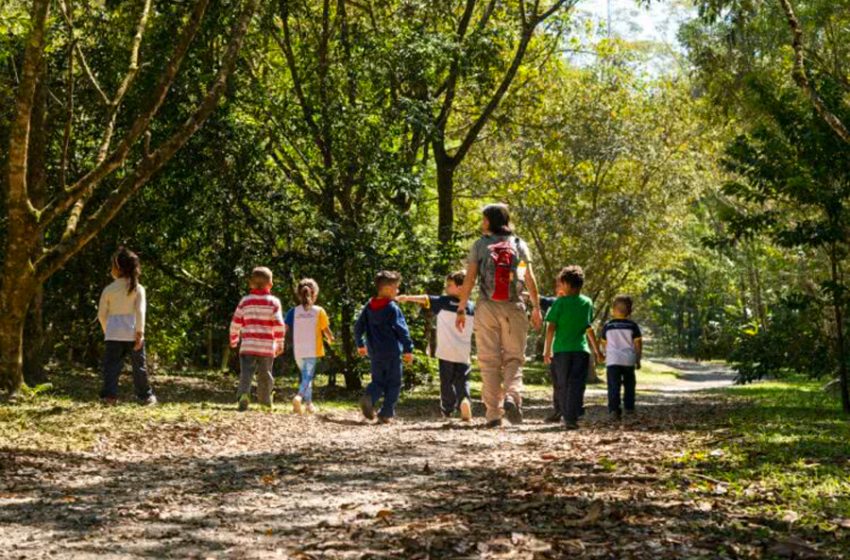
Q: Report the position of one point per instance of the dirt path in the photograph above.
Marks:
(260, 485)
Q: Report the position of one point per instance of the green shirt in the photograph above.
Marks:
(572, 316)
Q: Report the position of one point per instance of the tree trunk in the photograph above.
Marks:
(33, 355)
(445, 195)
(352, 379)
(15, 297)
(840, 344)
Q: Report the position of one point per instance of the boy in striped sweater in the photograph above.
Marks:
(258, 321)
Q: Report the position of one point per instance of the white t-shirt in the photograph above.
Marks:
(619, 336)
(307, 326)
(452, 344)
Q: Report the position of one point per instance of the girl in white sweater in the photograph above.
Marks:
(122, 317)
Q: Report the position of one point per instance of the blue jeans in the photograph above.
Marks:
(114, 354)
(454, 385)
(308, 372)
(386, 383)
(621, 376)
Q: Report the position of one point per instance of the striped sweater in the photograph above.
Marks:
(258, 320)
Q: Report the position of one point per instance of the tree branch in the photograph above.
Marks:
(802, 78)
(19, 134)
(117, 157)
(59, 254)
(525, 38)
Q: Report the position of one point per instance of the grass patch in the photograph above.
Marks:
(783, 452)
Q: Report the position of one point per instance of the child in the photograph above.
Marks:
(546, 303)
(453, 347)
(258, 321)
(569, 327)
(387, 342)
(309, 323)
(623, 345)
(122, 317)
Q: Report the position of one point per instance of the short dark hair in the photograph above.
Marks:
(499, 218)
(624, 303)
(387, 278)
(458, 277)
(572, 275)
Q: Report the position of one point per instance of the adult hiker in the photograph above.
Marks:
(501, 263)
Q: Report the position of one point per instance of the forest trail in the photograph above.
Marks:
(260, 485)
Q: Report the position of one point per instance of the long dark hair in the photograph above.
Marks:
(127, 262)
(308, 291)
(499, 219)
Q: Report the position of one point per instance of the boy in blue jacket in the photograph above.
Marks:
(387, 342)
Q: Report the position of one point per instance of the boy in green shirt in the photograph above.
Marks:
(569, 341)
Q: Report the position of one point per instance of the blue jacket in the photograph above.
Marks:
(385, 330)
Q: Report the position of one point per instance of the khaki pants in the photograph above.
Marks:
(501, 330)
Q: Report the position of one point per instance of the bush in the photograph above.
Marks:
(795, 340)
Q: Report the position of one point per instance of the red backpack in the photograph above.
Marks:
(498, 272)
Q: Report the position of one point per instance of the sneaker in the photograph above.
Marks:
(150, 401)
(311, 409)
(570, 425)
(243, 402)
(513, 412)
(296, 404)
(367, 408)
(615, 415)
(497, 423)
(386, 420)
(465, 410)
(553, 418)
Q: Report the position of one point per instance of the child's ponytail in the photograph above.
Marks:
(307, 291)
(127, 262)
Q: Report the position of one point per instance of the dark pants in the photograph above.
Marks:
(621, 376)
(454, 385)
(571, 378)
(556, 406)
(114, 354)
(386, 383)
(261, 366)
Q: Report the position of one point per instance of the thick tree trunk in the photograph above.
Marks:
(445, 195)
(15, 296)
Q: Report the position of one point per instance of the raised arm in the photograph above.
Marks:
(422, 300)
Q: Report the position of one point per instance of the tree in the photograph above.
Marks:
(121, 167)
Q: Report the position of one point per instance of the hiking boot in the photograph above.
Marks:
(296, 404)
(243, 402)
(465, 410)
(367, 408)
(497, 423)
(311, 409)
(109, 401)
(386, 420)
(513, 412)
(553, 418)
(615, 415)
(570, 425)
(149, 401)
